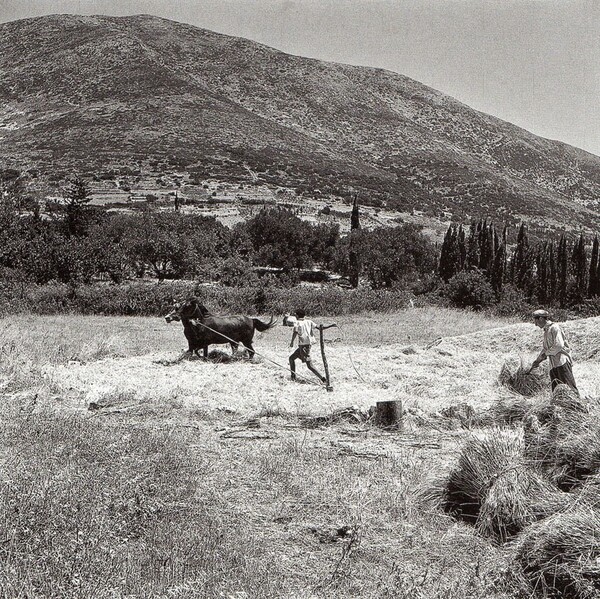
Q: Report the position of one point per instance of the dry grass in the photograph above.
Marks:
(521, 381)
(560, 555)
(88, 509)
(277, 510)
(495, 488)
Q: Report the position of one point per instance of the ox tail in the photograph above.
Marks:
(261, 326)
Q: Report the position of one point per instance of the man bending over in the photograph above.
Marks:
(556, 349)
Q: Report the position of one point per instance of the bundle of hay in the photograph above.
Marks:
(218, 356)
(511, 410)
(494, 488)
(567, 446)
(560, 555)
(589, 494)
(567, 399)
(522, 382)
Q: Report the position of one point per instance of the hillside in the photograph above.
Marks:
(145, 96)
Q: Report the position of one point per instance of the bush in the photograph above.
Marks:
(143, 298)
(513, 302)
(470, 289)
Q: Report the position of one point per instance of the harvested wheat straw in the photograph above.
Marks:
(567, 446)
(521, 381)
(560, 555)
(494, 487)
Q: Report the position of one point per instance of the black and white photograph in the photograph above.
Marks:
(300, 299)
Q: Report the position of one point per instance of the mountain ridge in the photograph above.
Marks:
(87, 93)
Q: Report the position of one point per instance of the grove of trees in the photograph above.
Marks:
(475, 265)
(561, 273)
(73, 242)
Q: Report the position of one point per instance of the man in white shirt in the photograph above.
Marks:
(304, 330)
(556, 349)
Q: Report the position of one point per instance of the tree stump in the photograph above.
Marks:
(388, 414)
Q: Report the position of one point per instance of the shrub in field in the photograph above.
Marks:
(470, 289)
(152, 299)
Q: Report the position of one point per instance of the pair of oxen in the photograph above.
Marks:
(202, 329)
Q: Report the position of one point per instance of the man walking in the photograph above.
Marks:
(556, 349)
(304, 330)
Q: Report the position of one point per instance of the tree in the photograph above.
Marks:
(470, 289)
(522, 263)
(562, 260)
(552, 274)
(280, 239)
(498, 269)
(594, 275)
(543, 274)
(473, 251)
(450, 254)
(580, 271)
(353, 255)
(77, 195)
(397, 256)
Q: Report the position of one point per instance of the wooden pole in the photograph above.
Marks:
(325, 365)
(388, 414)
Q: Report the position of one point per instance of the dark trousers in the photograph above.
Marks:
(303, 353)
(563, 375)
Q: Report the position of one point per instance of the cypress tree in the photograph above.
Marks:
(473, 247)
(507, 277)
(552, 274)
(353, 257)
(485, 251)
(449, 263)
(542, 279)
(580, 271)
(499, 269)
(354, 217)
(562, 260)
(522, 267)
(594, 282)
(462, 247)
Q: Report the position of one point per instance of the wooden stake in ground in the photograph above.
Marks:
(388, 414)
(321, 328)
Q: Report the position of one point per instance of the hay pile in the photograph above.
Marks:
(517, 379)
(217, 356)
(589, 493)
(511, 410)
(494, 487)
(560, 555)
(567, 444)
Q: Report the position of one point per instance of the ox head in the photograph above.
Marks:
(173, 315)
(191, 308)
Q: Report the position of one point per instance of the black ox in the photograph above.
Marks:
(202, 329)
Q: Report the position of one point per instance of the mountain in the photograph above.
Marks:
(91, 94)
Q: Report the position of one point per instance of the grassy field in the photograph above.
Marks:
(225, 479)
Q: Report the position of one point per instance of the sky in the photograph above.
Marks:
(535, 63)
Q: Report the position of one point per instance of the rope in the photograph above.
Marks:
(261, 355)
